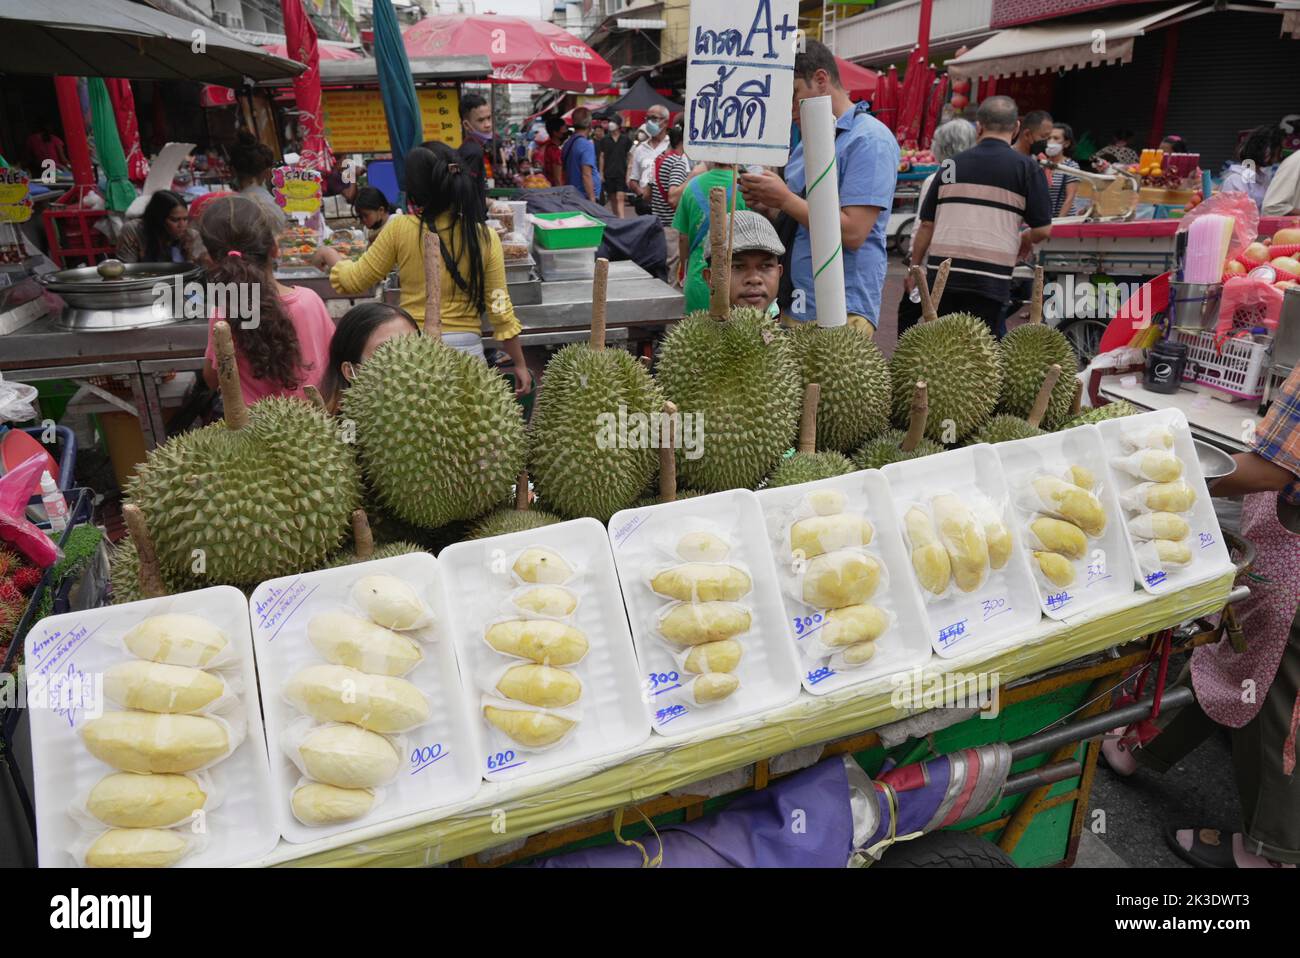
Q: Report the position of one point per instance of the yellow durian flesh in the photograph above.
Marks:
(818, 535)
(315, 803)
(347, 756)
(1068, 501)
(702, 547)
(1173, 553)
(155, 687)
(859, 654)
(1082, 477)
(378, 703)
(137, 848)
(721, 656)
(964, 539)
(929, 558)
(852, 625)
(1160, 525)
(698, 623)
(547, 600)
(542, 566)
(150, 742)
(1058, 569)
(529, 729)
(1059, 536)
(702, 582)
(540, 685)
(176, 639)
(713, 687)
(1159, 465)
(1175, 496)
(998, 537)
(541, 640)
(130, 800)
(827, 502)
(345, 639)
(840, 579)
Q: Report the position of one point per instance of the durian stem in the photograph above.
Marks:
(363, 539)
(667, 455)
(521, 492)
(928, 315)
(812, 395)
(917, 418)
(599, 304)
(940, 282)
(232, 393)
(151, 583)
(1036, 301)
(720, 262)
(432, 285)
(1076, 403)
(314, 397)
(1044, 396)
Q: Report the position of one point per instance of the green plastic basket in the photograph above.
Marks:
(580, 238)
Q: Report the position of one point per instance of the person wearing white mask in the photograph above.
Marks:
(641, 172)
(1060, 144)
(1255, 157)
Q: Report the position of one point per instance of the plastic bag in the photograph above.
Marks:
(15, 490)
(1246, 295)
(16, 401)
(1237, 205)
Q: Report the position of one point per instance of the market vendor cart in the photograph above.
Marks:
(1064, 674)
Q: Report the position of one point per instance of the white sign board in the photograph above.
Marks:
(740, 80)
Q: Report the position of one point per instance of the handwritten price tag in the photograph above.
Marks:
(666, 715)
(657, 683)
(500, 761)
(804, 624)
(994, 608)
(820, 675)
(423, 757)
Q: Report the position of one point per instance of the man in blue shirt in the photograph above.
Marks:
(867, 158)
(579, 155)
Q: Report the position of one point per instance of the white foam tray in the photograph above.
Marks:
(243, 826)
(1107, 570)
(906, 644)
(478, 582)
(280, 610)
(1007, 603)
(1210, 558)
(769, 669)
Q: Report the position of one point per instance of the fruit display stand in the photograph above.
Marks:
(1064, 669)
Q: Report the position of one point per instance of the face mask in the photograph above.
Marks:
(481, 137)
(653, 129)
(1055, 149)
(1037, 146)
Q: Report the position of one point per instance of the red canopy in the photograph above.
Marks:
(326, 49)
(886, 103)
(521, 50)
(938, 94)
(911, 104)
(859, 81)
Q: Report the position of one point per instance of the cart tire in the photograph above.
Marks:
(946, 850)
(1085, 336)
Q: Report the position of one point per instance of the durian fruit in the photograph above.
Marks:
(738, 373)
(1057, 568)
(721, 656)
(702, 547)
(1114, 410)
(958, 358)
(929, 558)
(529, 729)
(1059, 536)
(579, 462)
(267, 493)
(963, 537)
(894, 445)
(521, 518)
(440, 435)
(133, 580)
(363, 545)
(715, 686)
(1028, 352)
(808, 465)
(1160, 525)
(542, 567)
(854, 378)
(1008, 428)
(1070, 502)
(1082, 477)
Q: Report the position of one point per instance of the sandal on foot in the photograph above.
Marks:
(1205, 848)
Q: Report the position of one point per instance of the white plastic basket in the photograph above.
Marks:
(1237, 366)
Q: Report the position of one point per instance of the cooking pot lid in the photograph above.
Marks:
(134, 276)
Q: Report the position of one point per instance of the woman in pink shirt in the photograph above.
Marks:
(282, 333)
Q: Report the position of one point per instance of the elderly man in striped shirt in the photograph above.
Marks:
(985, 212)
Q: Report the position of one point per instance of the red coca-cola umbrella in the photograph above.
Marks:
(938, 94)
(911, 103)
(520, 49)
(885, 105)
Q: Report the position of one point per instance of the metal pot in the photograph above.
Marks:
(116, 295)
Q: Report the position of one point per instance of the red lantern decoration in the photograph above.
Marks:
(959, 101)
(961, 86)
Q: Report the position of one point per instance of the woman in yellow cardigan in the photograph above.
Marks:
(474, 275)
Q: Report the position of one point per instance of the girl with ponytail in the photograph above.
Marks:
(446, 200)
(282, 333)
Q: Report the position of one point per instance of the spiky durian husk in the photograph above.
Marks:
(958, 358)
(268, 500)
(884, 449)
(1004, 428)
(1028, 352)
(809, 467)
(440, 435)
(578, 460)
(1114, 410)
(124, 575)
(855, 386)
(740, 375)
(505, 521)
(388, 551)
